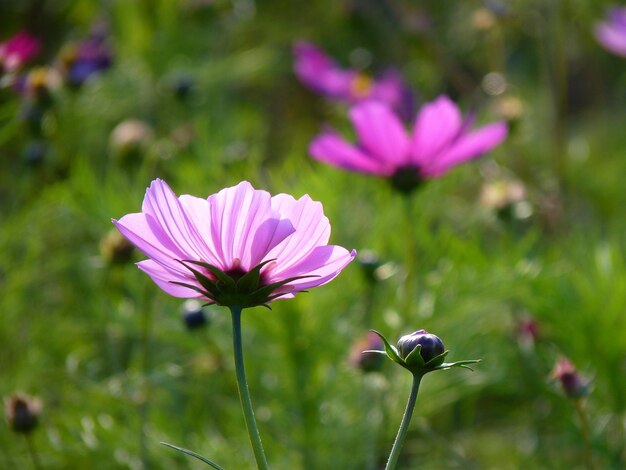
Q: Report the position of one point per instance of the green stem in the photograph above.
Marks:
(410, 256)
(33, 453)
(584, 429)
(404, 426)
(244, 393)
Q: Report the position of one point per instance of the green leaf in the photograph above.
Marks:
(218, 273)
(414, 358)
(193, 454)
(392, 352)
(192, 287)
(250, 281)
(449, 365)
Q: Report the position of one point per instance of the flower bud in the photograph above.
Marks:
(571, 381)
(115, 249)
(193, 315)
(22, 412)
(430, 345)
(363, 355)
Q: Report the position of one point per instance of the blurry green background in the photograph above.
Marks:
(212, 82)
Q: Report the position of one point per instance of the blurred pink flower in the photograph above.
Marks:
(571, 381)
(17, 50)
(611, 33)
(321, 74)
(440, 140)
(200, 248)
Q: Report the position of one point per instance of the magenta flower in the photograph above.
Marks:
(240, 247)
(612, 32)
(321, 74)
(440, 140)
(17, 50)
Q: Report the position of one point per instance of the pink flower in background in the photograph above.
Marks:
(17, 50)
(240, 246)
(440, 140)
(321, 74)
(612, 32)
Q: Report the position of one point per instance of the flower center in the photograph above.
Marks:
(361, 85)
(406, 179)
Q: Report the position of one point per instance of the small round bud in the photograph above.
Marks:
(35, 152)
(369, 262)
(431, 345)
(362, 358)
(571, 381)
(193, 315)
(130, 139)
(115, 248)
(22, 412)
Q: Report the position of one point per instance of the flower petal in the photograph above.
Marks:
(612, 37)
(164, 278)
(330, 148)
(146, 234)
(312, 229)
(162, 204)
(319, 72)
(324, 263)
(437, 124)
(469, 146)
(244, 225)
(380, 132)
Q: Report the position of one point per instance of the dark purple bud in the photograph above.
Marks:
(115, 248)
(431, 345)
(571, 381)
(367, 361)
(193, 315)
(22, 412)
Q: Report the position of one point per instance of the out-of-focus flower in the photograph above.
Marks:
(39, 85)
(509, 107)
(361, 356)
(22, 412)
(571, 382)
(373, 269)
(82, 61)
(115, 249)
(440, 140)
(507, 198)
(611, 33)
(483, 19)
(499, 194)
(18, 50)
(130, 137)
(193, 315)
(35, 152)
(527, 331)
(240, 247)
(321, 74)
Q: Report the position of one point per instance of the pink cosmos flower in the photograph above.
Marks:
(440, 140)
(17, 50)
(240, 246)
(321, 74)
(612, 32)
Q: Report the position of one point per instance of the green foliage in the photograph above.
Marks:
(107, 351)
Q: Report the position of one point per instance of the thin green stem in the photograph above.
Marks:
(410, 256)
(244, 393)
(404, 426)
(33, 453)
(584, 429)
